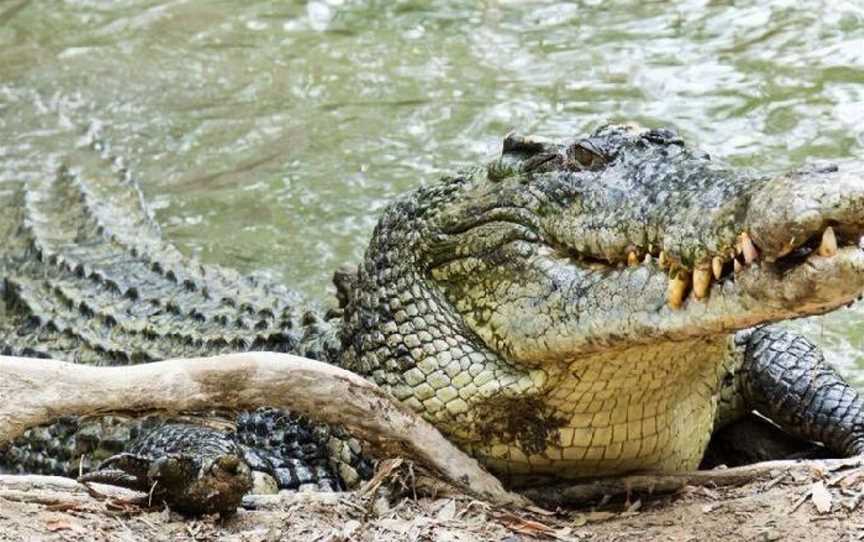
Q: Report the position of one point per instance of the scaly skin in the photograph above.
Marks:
(570, 310)
(87, 278)
(195, 470)
(785, 376)
(538, 312)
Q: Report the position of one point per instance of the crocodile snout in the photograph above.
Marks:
(808, 210)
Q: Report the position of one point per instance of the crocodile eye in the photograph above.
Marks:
(584, 155)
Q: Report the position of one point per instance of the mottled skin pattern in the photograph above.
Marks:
(525, 307)
(572, 309)
(193, 469)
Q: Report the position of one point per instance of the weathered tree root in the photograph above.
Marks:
(575, 494)
(38, 391)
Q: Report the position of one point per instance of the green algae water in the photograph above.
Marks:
(269, 135)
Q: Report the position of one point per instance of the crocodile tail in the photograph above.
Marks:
(87, 277)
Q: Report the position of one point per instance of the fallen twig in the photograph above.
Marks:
(60, 491)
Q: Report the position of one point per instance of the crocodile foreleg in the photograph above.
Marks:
(784, 377)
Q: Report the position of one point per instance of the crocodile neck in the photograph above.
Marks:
(644, 407)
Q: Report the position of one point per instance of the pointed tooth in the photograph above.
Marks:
(828, 247)
(676, 290)
(750, 252)
(701, 282)
(789, 247)
(632, 259)
(717, 267)
(647, 259)
(737, 265)
(747, 248)
(662, 259)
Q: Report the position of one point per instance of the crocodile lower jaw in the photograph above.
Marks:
(757, 277)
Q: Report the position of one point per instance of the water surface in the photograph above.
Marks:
(268, 135)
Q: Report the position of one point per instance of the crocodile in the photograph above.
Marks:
(193, 469)
(571, 309)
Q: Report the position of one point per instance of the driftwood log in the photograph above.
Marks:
(38, 391)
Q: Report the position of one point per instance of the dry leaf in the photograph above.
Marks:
(541, 511)
(350, 528)
(707, 492)
(851, 479)
(799, 477)
(595, 517)
(818, 470)
(59, 524)
(395, 525)
(821, 497)
(447, 512)
(564, 533)
(592, 517)
(526, 526)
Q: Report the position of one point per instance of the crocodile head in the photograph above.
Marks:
(627, 237)
(625, 241)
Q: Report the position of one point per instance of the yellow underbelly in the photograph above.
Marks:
(644, 409)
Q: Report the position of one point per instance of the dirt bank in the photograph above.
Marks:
(817, 505)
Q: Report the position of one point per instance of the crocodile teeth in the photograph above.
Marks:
(828, 247)
(717, 267)
(748, 248)
(632, 259)
(701, 282)
(676, 291)
(647, 259)
(662, 259)
(737, 265)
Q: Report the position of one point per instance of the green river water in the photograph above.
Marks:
(268, 135)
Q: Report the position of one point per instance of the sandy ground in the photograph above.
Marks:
(816, 506)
